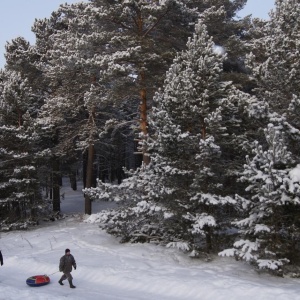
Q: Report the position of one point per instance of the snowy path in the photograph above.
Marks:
(73, 201)
(108, 270)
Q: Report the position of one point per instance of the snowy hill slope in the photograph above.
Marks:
(108, 270)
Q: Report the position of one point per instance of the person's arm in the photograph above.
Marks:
(61, 264)
(1, 259)
(74, 263)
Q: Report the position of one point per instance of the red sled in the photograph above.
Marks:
(38, 280)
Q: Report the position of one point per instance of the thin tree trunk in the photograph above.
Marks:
(89, 178)
(143, 113)
(90, 162)
(143, 95)
(203, 128)
(56, 185)
(73, 180)
(20, 118)
(84, 163)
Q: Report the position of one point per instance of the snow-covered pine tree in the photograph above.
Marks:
(277, 78)
(275, 60)
(271, 229)
(124, 45)
(25, 59)
(178, 198)
(142, 37)
(267, 232)
(20, 193)
(137, 217)
(186, 148)
(76, 104)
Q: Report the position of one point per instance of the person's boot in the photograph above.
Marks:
(71, 284)
(60, 282)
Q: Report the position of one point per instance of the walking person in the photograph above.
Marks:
(1, 258)
(65, 266)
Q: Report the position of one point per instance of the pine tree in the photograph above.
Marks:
(270, 230)
(178, 198)
(190, 130)
(74, 96)
(275, 63)
(121, 47)
(19, 185)
(138, 39)
(25, 59)
(267, 232)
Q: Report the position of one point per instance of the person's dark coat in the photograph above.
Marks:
(66, 263)
(1, 259)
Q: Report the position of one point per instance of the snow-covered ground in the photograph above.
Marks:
(108, 270)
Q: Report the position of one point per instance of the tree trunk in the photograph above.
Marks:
(208, 237)
(84, 168)
(143, 94)
(90, 162)
(143, 112)
(56, 185)
(89, 178)
(73, 180)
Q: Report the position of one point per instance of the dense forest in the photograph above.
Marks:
(180, 111)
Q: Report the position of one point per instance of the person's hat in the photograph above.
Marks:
(67, 250)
